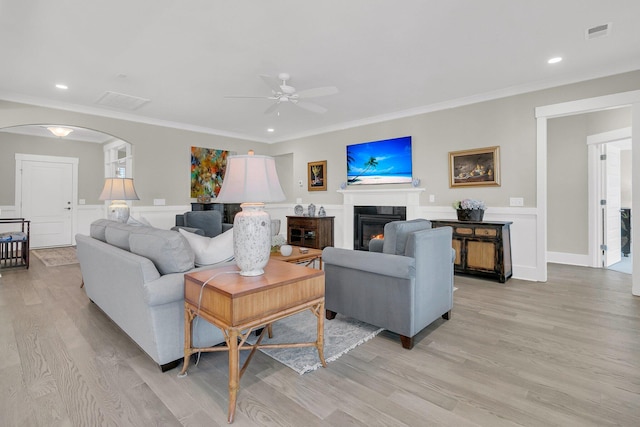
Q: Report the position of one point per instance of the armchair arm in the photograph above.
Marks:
(373, 262)
(375, 245)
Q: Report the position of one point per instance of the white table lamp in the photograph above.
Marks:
(118, 190)
(251, 181)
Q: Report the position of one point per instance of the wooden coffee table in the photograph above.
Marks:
(298, 257)
(238, 305)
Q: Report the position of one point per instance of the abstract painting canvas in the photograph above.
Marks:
(207, 171)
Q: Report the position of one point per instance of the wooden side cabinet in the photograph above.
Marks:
(311, 232)
(482, 248)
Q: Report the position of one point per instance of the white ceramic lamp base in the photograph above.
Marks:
(252, 239)
(118, 211)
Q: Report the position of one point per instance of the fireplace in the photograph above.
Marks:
(369, 222)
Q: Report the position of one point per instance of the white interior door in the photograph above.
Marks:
(47, 187)
(612, 222)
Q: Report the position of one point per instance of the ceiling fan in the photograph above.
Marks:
(282, 92)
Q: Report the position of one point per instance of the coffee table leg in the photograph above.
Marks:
(234, 375)
(188, 322)
(320, 343)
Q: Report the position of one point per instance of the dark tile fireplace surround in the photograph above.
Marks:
(369, 221)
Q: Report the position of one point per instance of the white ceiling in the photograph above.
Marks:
(387, 58)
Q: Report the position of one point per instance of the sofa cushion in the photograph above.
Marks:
(13, 236)
(396, 233)
(98, 228)
(117, 234)
(210, 250)
(169, 251)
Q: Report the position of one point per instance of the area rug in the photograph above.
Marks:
(341, 335)
(53, 257)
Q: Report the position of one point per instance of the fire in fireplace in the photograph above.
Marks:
(369, 222)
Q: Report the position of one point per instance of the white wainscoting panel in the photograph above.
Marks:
(523, 229)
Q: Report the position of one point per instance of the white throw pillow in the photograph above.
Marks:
(210, 250)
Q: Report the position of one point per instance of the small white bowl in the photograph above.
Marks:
(286, 250)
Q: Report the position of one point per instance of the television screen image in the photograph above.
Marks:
(380, 162)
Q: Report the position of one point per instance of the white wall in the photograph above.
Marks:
(626, 198)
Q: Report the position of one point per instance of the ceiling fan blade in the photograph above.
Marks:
(311, 106)
(273, 107)
(316, 92)
(273, 83)
(251, 97)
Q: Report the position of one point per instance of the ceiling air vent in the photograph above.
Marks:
(598, 31)
(121, 101)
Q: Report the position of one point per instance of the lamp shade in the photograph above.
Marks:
(118, 189)
(249, 179)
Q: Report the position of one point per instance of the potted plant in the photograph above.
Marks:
(276, 242)
(469, 209)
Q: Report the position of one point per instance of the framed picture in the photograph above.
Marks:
(477, 167)
(317, 173)
(207, 171)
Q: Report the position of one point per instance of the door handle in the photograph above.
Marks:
(68, 209)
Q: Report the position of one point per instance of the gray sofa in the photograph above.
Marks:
(403, 289)
(135, 275)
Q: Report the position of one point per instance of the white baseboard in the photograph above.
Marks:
(569, 259)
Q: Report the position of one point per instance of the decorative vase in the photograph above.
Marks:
(311, 210)
(286, 250)
(322, 212)
(470, 214)
(252, 239)
(275, 227)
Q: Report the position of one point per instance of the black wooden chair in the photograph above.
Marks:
(14, 242)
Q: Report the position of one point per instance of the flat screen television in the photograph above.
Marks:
(380, 162)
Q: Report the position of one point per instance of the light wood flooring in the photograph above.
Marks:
(562, 353)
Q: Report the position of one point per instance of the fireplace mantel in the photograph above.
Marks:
(383, 197)
(409, 197)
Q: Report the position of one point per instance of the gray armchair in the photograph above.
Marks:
(205, 223)
(403, 289)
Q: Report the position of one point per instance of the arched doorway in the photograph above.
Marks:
(52, 177)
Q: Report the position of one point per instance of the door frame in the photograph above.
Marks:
(570, 108)
(73, 161)
(594, 143)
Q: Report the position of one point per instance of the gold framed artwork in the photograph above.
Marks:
(317, 176)
(477, 167)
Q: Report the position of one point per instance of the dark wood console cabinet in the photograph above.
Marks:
(482, 248)
(311, 232)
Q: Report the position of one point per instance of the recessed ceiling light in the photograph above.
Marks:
(62, 86)
(271, 130)
(554, 60)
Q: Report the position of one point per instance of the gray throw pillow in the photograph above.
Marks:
(97, 229)
(168, 250)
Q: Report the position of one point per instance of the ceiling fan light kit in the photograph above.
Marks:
(282, 92)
